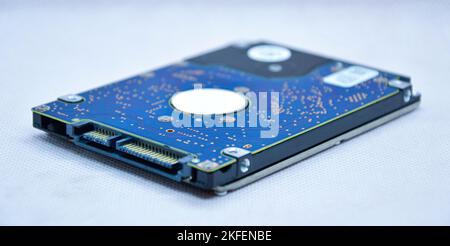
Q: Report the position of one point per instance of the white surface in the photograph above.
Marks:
(396, 174)
(208, 101)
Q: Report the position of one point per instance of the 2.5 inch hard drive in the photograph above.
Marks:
(225, 118)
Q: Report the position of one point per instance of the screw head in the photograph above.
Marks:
(71, 98)
(235, 152)
(275, 68)
(42, 108)
(208, 165)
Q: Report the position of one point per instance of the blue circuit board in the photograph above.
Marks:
(133, 105)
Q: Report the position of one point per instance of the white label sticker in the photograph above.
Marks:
(350, 76)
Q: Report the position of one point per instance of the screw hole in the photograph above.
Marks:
(244, 165)
(407, 95)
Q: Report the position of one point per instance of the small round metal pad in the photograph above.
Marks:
(71, 98)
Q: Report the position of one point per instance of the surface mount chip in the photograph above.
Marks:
(226, 118)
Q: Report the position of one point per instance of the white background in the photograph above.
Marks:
(398, 174)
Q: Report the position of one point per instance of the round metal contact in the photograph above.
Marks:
(71, 98)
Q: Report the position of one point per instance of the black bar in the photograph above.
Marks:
(217, 235)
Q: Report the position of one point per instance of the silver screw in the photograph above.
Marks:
(275, 68)
(71, 98)
(233, 150)
(42, 108)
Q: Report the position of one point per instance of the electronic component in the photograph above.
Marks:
(226, 118)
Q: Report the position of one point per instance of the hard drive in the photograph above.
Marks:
(228, 117)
